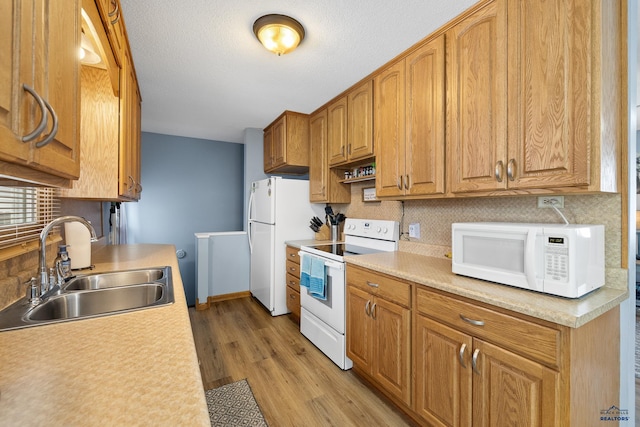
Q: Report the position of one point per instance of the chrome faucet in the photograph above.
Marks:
(44, 276)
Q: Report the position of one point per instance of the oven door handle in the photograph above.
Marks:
(329, 264)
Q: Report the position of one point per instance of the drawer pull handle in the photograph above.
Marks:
(471, 321)
(292, 269)
(373, 311)
(463, 347)
(366, 308)
(373, 285)
(292, 255)
(474, 361)
(291, 282)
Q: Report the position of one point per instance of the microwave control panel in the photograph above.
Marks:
(556, 259)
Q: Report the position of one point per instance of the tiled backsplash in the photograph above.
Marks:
(15, 272)
(436, 216)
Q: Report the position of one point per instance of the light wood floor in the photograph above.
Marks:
(293, 382)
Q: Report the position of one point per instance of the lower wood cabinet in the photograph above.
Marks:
(293, 283)
(460, 379)
(449, 361)
(379, 331)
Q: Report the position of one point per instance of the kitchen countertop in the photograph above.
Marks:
(309, 242)
(126, 369)
(436, 273)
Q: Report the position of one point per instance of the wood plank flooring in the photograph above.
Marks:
(293, 382)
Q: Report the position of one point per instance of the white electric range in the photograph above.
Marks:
(323, 321)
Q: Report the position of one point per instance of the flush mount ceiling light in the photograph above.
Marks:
(278, 33)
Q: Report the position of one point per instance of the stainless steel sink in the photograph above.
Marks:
(98, 302)
(118, 278)
(95, 295)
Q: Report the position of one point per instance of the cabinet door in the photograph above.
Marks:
(443, 374)
(549, 93)
(359, 324)
(268, 149)
(337, 131)
(57, 79)
(130, 186)
(425, 120)
(477, 101)
(509, 390)
(389, 124)
(392, 348)
(360, 122)
(318, 163)
(279, 142)
(15, 57)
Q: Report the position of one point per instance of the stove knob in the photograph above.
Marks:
(385, 230)
(379, 230)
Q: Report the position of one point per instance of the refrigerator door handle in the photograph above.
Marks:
(249, 221)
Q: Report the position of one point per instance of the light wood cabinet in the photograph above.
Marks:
(110, 126)
(130, 131)
(473, 362)
(324, 185)
(39, 48)
(528, 84)
(111, 14)
(379, 330)
(350, 125)
(286, 144)
(293, 283)
(410, 124)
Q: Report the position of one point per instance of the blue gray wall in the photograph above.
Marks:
(189, 185)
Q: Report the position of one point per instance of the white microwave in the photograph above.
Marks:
(563, 260)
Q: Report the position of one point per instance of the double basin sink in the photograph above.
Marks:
(95, 295)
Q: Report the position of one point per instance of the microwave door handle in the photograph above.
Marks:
(529, 259)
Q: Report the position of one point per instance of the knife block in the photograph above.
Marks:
(324, 233)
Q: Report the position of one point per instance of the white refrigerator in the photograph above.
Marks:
(278, 210)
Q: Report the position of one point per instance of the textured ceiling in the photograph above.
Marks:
(203, 74)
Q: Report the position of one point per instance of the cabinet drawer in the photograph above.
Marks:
(293, 301)
(522, 336)
(293, 281)
(293, 268)
(292, 254)
(377, 284)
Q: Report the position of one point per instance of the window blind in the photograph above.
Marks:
(24, 211)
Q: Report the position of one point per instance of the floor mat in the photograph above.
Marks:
(234, 405)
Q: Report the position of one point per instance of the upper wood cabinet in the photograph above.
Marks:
(350, 125)
(39, 94)
(130, 131)
(110, 127)
(286, 144)
(409, 124)
(531, 105)
(111, 14)
(324, 185)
